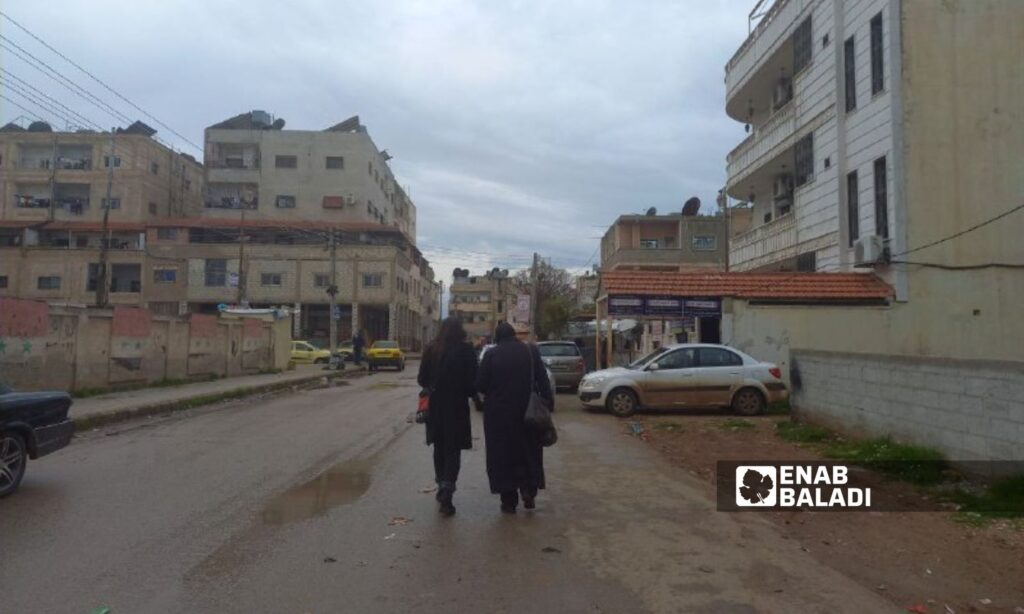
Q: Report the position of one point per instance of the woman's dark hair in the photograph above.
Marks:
(450, 335)
(504, 331)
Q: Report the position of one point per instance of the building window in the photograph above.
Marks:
(803, 159)
(373, 280)
(91, 277)
(335, 163)
(111, 203)
(286, 162)
(164, 308)
(802, 46)
(167, 234)
(649, 243)
(850, 83)
(321, 280)
(216, 272)
(154, 168)
(285, 202)
(48, 282)
(165, 276)
(270, 279)
(3, 282)
(881, 199)
(806, 262)
(126, 278)
(152, 208)
(877, 61)
(107, 159)
(188, 185)
(853, 207)
(705, 243)
(369, 168)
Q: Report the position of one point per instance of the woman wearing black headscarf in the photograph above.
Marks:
(515, 456)
(448, 370)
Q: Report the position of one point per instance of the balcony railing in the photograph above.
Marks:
(780, 126)
(763, 245)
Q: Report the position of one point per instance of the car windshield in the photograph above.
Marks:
(386, 345)
(637, 364)
(558, 349)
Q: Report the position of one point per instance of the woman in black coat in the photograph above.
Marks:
(448, 370)
(515, 456)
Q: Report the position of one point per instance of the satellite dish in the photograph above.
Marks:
(652, 211)
(692, 206)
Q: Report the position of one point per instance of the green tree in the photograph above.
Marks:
(554, 317)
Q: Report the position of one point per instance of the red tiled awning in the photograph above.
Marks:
(777, 286)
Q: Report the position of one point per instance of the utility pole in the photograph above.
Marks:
(332, 291)
(53, 178)
(533, 295)
(102, 285)
(241, 258)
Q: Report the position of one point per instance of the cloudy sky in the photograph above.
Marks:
(516, 126)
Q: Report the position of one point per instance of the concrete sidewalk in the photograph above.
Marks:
(118, 406)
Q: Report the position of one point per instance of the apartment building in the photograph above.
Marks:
(884, 137)
(481, 301)
(257, 168)
(673, 242)
(586, 290)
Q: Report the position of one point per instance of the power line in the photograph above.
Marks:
(56, 75)
(53, 100)
(42, 105)
(97, 80)
(31, 113)
(962, 232)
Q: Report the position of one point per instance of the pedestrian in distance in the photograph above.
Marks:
(358, 343)
(448, 372)
(515, 454)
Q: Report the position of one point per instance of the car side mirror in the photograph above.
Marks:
(653, 366)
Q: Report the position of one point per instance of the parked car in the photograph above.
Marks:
(551, 376)
(385, 353)
(304, 352)
(683, 376)
(565, 360)
(32, 424)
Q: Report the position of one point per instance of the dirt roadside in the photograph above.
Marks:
(924, 559)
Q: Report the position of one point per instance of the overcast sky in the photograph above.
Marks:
(516, 126)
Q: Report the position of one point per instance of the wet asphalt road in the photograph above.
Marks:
(313, 501)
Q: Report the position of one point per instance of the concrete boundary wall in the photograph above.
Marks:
(71, 348)
(970, 410)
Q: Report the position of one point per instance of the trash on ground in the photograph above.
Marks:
(330, 559)
(637, 430)
(985, 601)
(399, 521)
(429, 489)
(919, 608)
(392, 536)
(100, 610)
(550, 550)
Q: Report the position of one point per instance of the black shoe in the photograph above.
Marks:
(447, 509)
(508, 509)
(529, 503)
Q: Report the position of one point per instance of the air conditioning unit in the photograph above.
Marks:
(782, 187)
(868, 250)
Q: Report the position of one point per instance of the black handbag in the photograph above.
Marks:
(538, 411)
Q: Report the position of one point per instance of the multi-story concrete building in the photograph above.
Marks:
(586, 290)
(820, 86)
(334, 175)
(886, 134)
(673, 242)
(481, 301)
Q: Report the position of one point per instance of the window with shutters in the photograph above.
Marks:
(877, 59)
(286, 162)
(803, 159)
(881, 199)
(802, 45)
(852, 207)
(850, 71)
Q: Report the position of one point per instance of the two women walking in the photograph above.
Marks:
(515, 454)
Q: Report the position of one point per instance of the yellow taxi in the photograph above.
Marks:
(385, 353)
(304, 352)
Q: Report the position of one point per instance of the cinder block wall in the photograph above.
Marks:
(968, 409)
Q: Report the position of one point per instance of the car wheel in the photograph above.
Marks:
(622, 402)
(401, 366)
(13, 457)
(748, 402)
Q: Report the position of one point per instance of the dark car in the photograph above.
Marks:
(32, 424)
(565, 360)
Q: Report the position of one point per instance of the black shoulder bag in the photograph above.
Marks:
(538, 411)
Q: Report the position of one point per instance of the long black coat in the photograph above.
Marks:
(515, 456)
(453, 381)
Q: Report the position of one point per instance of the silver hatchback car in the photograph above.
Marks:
(565, 361)
(686, 375)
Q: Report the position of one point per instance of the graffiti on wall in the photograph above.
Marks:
(24, 326)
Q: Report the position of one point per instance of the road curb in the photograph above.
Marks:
(91, 421)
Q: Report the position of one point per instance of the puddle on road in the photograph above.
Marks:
(341, 484)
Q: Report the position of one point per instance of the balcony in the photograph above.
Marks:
(764, 245)
(766, 49)
(662, 258)
(761, 143)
